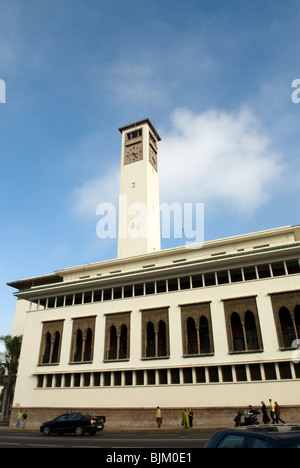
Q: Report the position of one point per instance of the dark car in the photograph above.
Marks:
(257, 437)
(79, 423)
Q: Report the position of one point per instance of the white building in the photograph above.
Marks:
(214, 327)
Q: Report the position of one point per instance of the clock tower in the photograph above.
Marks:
(139, 215)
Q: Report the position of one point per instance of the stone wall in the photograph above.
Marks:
(145, 417)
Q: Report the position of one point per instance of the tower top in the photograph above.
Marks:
(140, 123)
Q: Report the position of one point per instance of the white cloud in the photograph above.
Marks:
(217, 156)
(212, 157)
(96, 191)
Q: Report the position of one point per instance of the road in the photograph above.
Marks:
(108, 440)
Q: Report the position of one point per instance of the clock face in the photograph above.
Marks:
(153, 156)
(133, 153)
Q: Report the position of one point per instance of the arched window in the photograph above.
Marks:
(46, 356)
(123, 343)
(88, 345)
(54, 357)
(251, 333)
(112, 354)
(237, 333)
(150, 342)
(162, 339)
(192, 339)
(204, 336)
(78, 348)
(287, 327)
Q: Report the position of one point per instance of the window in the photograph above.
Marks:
(82, 344)
(139, 376)
(173, 284)
(78, 299)
(200, 375)
(117, 335)
(270, 371)
(161, 286)
(187, 375)
(237, 333)
(255, 372)
(107, 294)
(51, 302)
(236, 275)
(278, 269)
(87, 297)
(117, 293)
(192, 338)
(264, 271)
(97, 296)
(209, 279)
(232, 441)
(213, 374)
(223, 277)
(256, 442)
(184, 283)
(197, 281)
(227, 373)
(60, 301)
(249, 273)
(69, 300)
(285, 370)
(197, 329)
(128, 291)
(286, 309)
(163, 377)
(138, 289)
(51, 342)
(175, 376)
(242, 325)
(155, 333)
(150, 288)
(293, 266)
(151, 377)
(287, 327)
(241, 374)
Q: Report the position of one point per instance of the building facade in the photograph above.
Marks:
(214, 326)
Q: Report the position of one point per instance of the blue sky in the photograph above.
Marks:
(214, 76)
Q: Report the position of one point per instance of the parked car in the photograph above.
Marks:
(257, 437)
(79, 423)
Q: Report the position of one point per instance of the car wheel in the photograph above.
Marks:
(46, 431)
(79, 431)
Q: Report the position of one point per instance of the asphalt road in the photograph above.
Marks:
(175, 440)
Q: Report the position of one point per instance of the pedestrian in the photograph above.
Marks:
(158, 417)
(277, 413)
(24, 419)
(191, 416)
(266, 418)
(19, 417)
(185, 419)
(272, 411)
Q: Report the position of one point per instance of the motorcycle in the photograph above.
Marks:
(249, 420)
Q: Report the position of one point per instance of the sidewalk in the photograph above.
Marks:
(6, 427)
